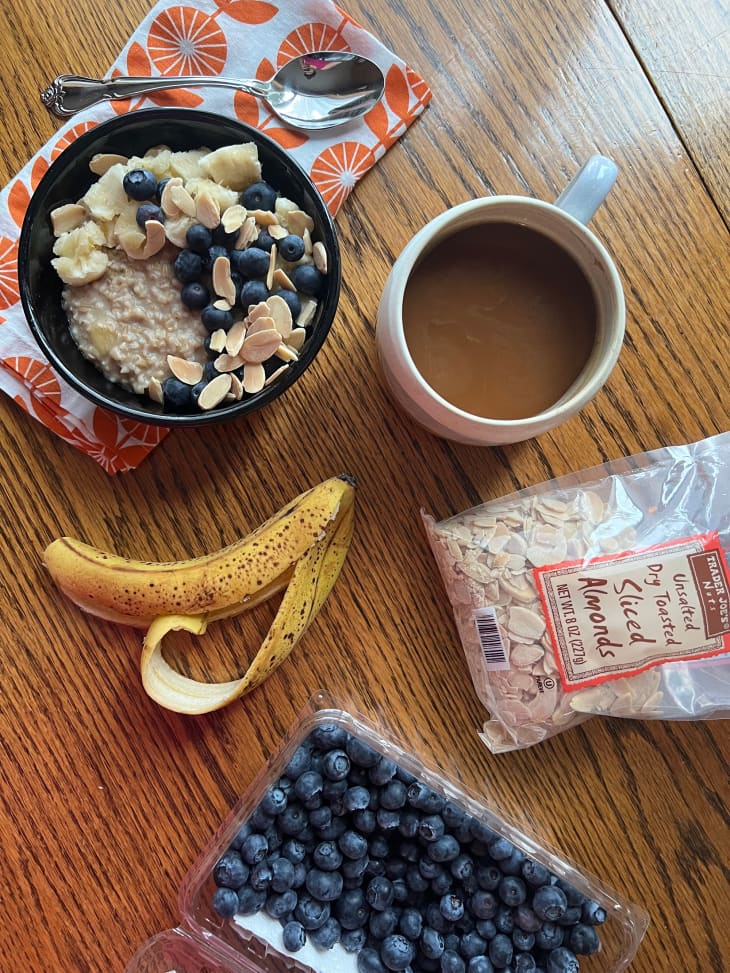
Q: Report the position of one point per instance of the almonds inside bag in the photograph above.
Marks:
(605, 592)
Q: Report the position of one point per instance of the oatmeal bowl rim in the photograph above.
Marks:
(67, 179)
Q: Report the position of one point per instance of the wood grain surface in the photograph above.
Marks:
(106, 799)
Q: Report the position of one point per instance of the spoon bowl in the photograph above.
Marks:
(318, 90)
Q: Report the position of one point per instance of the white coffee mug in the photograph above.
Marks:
(563, 222)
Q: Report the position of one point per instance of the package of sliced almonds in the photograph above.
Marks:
(605, 592)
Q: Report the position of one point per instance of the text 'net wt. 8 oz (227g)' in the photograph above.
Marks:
(604, 592)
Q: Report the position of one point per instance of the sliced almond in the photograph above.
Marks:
(254, 377)
(228, 363)
(156, 238)
(247, 234)
(207, 210)
(283, 280)
(306, 315)
(218, 340)
(260, 310)
(103, 161)
(276, 374)
(319, 255)
(67, 218)
(281, 313)
(222, 305)
(233, 218)
(296, 338)
(235, 337)
(307, 237)
(236, 387)
(189, 372)
(298, 221)
(277, 232)
(154, 390)
(167, 203)
(261, 324)
(222, 281)
(272, 268)
(261, 345)
(286, 353)
(214, 392)
(183, 200)
(264, 217)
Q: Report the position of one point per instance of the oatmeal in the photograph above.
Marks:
(131, 318)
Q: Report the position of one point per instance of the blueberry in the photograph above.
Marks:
(294, 936)
(526, 919)
(294, 850)
(361, 753)
(480, 964)
(252, 292)
(356, 798)
(351, 909)
(451, 962)
(431, 943)
(321, 818)
(444, 849)
(160, 188)
(250, 901)
(488, 877)
(215, 319)
(254, 849)
(549, 902)
(282, 874)
(353, 940)
(483, 904)
(336, 765)
(512, 890)
(222, 238)
(195, 295)
(149, 211)
(500, 849)
(365, 820)
(535, 873)
(504, 920)
(292, 820)
(472, 944)
(260, 877)
(280, 904)
(583, 939)
(410, 923)
(432, 827)
(462, 868)
(382, 923)
(199, 239)
(451, 907)
(369, 961)
(352, 845)
(334, 830)
(307, 280)
(524, 963)
(308, 785)
(379, 893)
(327, 856)
(230, 870)
(571, 915)
(264, 241)
(176, 395)
(513, 864)
(188, 266)
(486, 928)
(561, 960)
(593, 913)
(326, 935)
(388, 820)
(355, 868)
(212, 255)
(522, 940)
(312, 913)
(549, 936)
(430, 869)
(324, 886)
(501, 950)
(260, 820)
(259, 195)
(299, 761)
(422, 797)
(140, 184)
(397, 952)
(273, 801)
(329, 736)
(291, 248)
(225, 902)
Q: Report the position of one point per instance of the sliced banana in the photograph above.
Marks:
(235, 166)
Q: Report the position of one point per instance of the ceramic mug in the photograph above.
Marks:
(564, 222)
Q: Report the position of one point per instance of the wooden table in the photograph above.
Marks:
(106, 799)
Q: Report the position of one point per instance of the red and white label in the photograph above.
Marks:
(623, 613)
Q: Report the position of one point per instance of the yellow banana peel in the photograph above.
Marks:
(300, 551)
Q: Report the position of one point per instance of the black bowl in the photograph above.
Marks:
(67, 180)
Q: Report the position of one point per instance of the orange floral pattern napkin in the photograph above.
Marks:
(234, 38)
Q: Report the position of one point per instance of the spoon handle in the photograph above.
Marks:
(71, 93)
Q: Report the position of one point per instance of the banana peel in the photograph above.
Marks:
(300, 551)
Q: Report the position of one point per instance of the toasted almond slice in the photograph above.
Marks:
(260, 324)
(307, 237)
(222, 305)
(247, 234)
(233, 218)
(296, 339)
(286, 353)
(103, 161)
(189, 372)
(235, 338)
(319, 255)
(67, 218)
(283, 280)
(261, 345)
(214, 392)
(264, 217)
(222, 281)
(236, 388)
(254, 377)
(156, 238)
(207, 210)
(167, 203)
(306, 315)
(228, 363)
(276, 374)
(260, 310)
(183, 200)
(281, 313)
(154, 390)
(277, 232)
(272, 268)
(298, 221)
(218, 340)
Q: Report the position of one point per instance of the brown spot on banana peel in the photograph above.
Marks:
(311, 581)
(119, 589)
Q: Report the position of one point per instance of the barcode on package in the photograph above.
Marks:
(490, 639)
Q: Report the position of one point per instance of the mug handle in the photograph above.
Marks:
(588, 188)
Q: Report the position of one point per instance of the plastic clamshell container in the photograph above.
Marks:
(205, 943)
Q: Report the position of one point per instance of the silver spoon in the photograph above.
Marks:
(317, 90)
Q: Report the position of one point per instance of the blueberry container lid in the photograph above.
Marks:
(206, 943)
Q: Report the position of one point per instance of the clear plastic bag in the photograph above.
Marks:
(604, 592)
